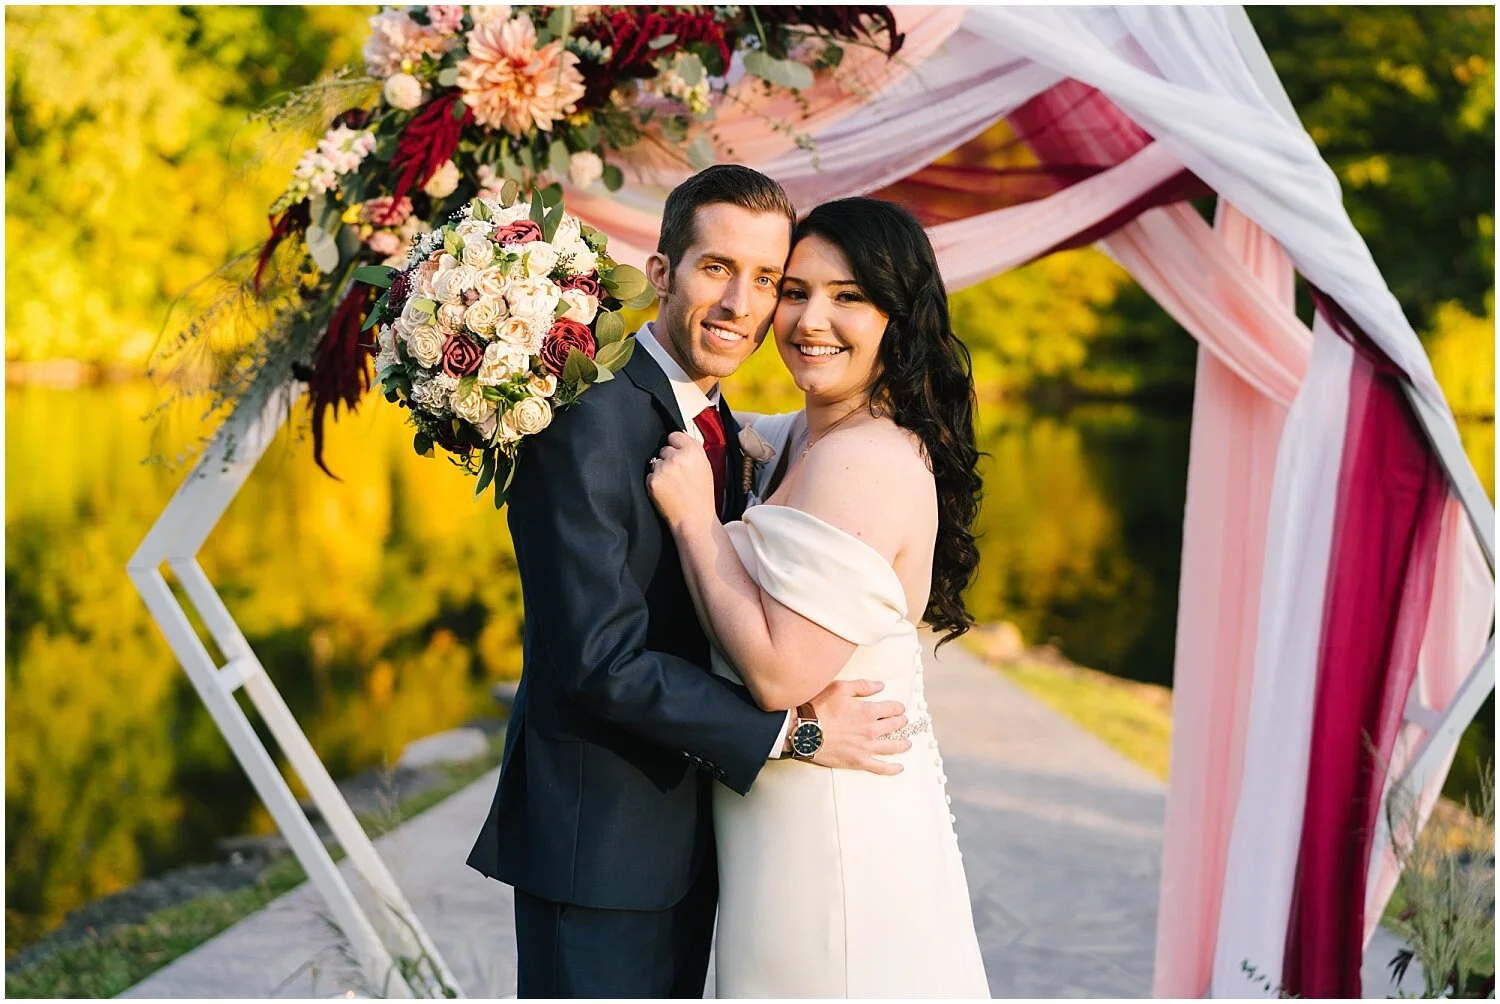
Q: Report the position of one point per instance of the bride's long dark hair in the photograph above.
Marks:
(925, 381)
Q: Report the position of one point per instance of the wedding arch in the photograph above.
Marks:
(1338, 550)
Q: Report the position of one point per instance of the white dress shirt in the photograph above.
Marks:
(691, 401)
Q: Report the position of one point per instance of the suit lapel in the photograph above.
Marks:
(645, 374)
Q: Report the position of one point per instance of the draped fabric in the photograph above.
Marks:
(1314, 595)
(1389, 508)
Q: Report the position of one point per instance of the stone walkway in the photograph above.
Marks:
(1061, 839)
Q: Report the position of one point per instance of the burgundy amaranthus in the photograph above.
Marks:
(341, 372)
(293, 220)
(851, 23)
(428, 141)
(629, 32)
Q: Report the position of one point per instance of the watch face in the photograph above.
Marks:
(807, 739)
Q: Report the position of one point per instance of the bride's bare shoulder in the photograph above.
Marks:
(867, 479)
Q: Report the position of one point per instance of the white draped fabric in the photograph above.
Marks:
(1244, 734)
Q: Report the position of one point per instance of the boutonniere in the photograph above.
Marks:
(755, 452)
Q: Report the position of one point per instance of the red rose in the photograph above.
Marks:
(566, 334)
(519, 232)
(585, 284)
(461, 356)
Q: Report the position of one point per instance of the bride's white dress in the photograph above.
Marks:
(842, 883)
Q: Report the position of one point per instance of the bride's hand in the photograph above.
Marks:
(681, 482)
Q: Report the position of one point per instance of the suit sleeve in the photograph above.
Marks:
(575, 495)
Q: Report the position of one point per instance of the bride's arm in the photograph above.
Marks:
(784, 658)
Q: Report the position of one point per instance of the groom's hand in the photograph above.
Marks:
(852, 727)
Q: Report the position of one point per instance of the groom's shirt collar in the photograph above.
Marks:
(690, 399)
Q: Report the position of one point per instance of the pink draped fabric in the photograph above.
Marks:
(1390, 503)
(1235, 432)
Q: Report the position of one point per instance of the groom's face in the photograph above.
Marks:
(717, 301)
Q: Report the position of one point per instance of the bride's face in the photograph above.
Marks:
(827, 331)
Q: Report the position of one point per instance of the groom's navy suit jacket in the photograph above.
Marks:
(618, 728)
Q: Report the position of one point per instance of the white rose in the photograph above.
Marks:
(581, 306)
(489, 425)
(542, 385)
(492, 282)
(429, 395)
(443, 181)
(507, 429)
(403, 91)
(585, 168)
(524, 332)
(417, 310)
(425, 343)
(387, 354)
(536, 297)
(506, 215)
(530, 416)
(540, 258)
(483, 314)
(471, 228)
(478, 251)
(451, 284)
(474, 408)
(484, 13)
(581, 258)
(450, 317)
(502, 360)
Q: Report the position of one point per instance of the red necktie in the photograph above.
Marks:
(712, 426)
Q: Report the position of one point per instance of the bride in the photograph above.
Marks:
(843, 883)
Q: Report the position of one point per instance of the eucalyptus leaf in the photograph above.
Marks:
(626, 282)
(509, 193)
(448, 78)
(798, 76)
(700, 153)
(502, 489)
(579, 367)
(453, 243)
(613, 357)
(560, 24)
(557, 158)
(423, 308)
(614, 178)
(486, 472)
(552, 221)
(561, 308)
(323, 248)
(641, 302)
(602, 375)
(422, 443)
(459, 108)
(760, 64)
(375, 275)
(690, 69)
(466, 385)
(609, 328)
(481, 210)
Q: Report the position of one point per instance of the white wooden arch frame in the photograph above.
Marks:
(194, 511)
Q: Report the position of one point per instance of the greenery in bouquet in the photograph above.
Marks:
(454, 104)
(501, 317)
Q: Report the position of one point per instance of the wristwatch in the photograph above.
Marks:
(807, 734)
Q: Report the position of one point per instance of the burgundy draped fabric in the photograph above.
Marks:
(1067, 134)
(1389, 512)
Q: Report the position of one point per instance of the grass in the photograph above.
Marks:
(107, 963)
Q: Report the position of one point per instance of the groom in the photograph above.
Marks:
(603, 820)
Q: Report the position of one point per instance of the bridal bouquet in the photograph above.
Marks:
(496, 320)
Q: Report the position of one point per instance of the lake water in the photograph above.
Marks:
(384, 606)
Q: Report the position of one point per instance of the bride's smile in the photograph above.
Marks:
(827, 330)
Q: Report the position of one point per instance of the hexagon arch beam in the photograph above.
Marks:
(174, 541)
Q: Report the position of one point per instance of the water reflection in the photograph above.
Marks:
(383, 606)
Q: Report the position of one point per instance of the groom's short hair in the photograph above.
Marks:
(732, 183)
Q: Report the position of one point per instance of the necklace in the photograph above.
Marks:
(811, 441)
